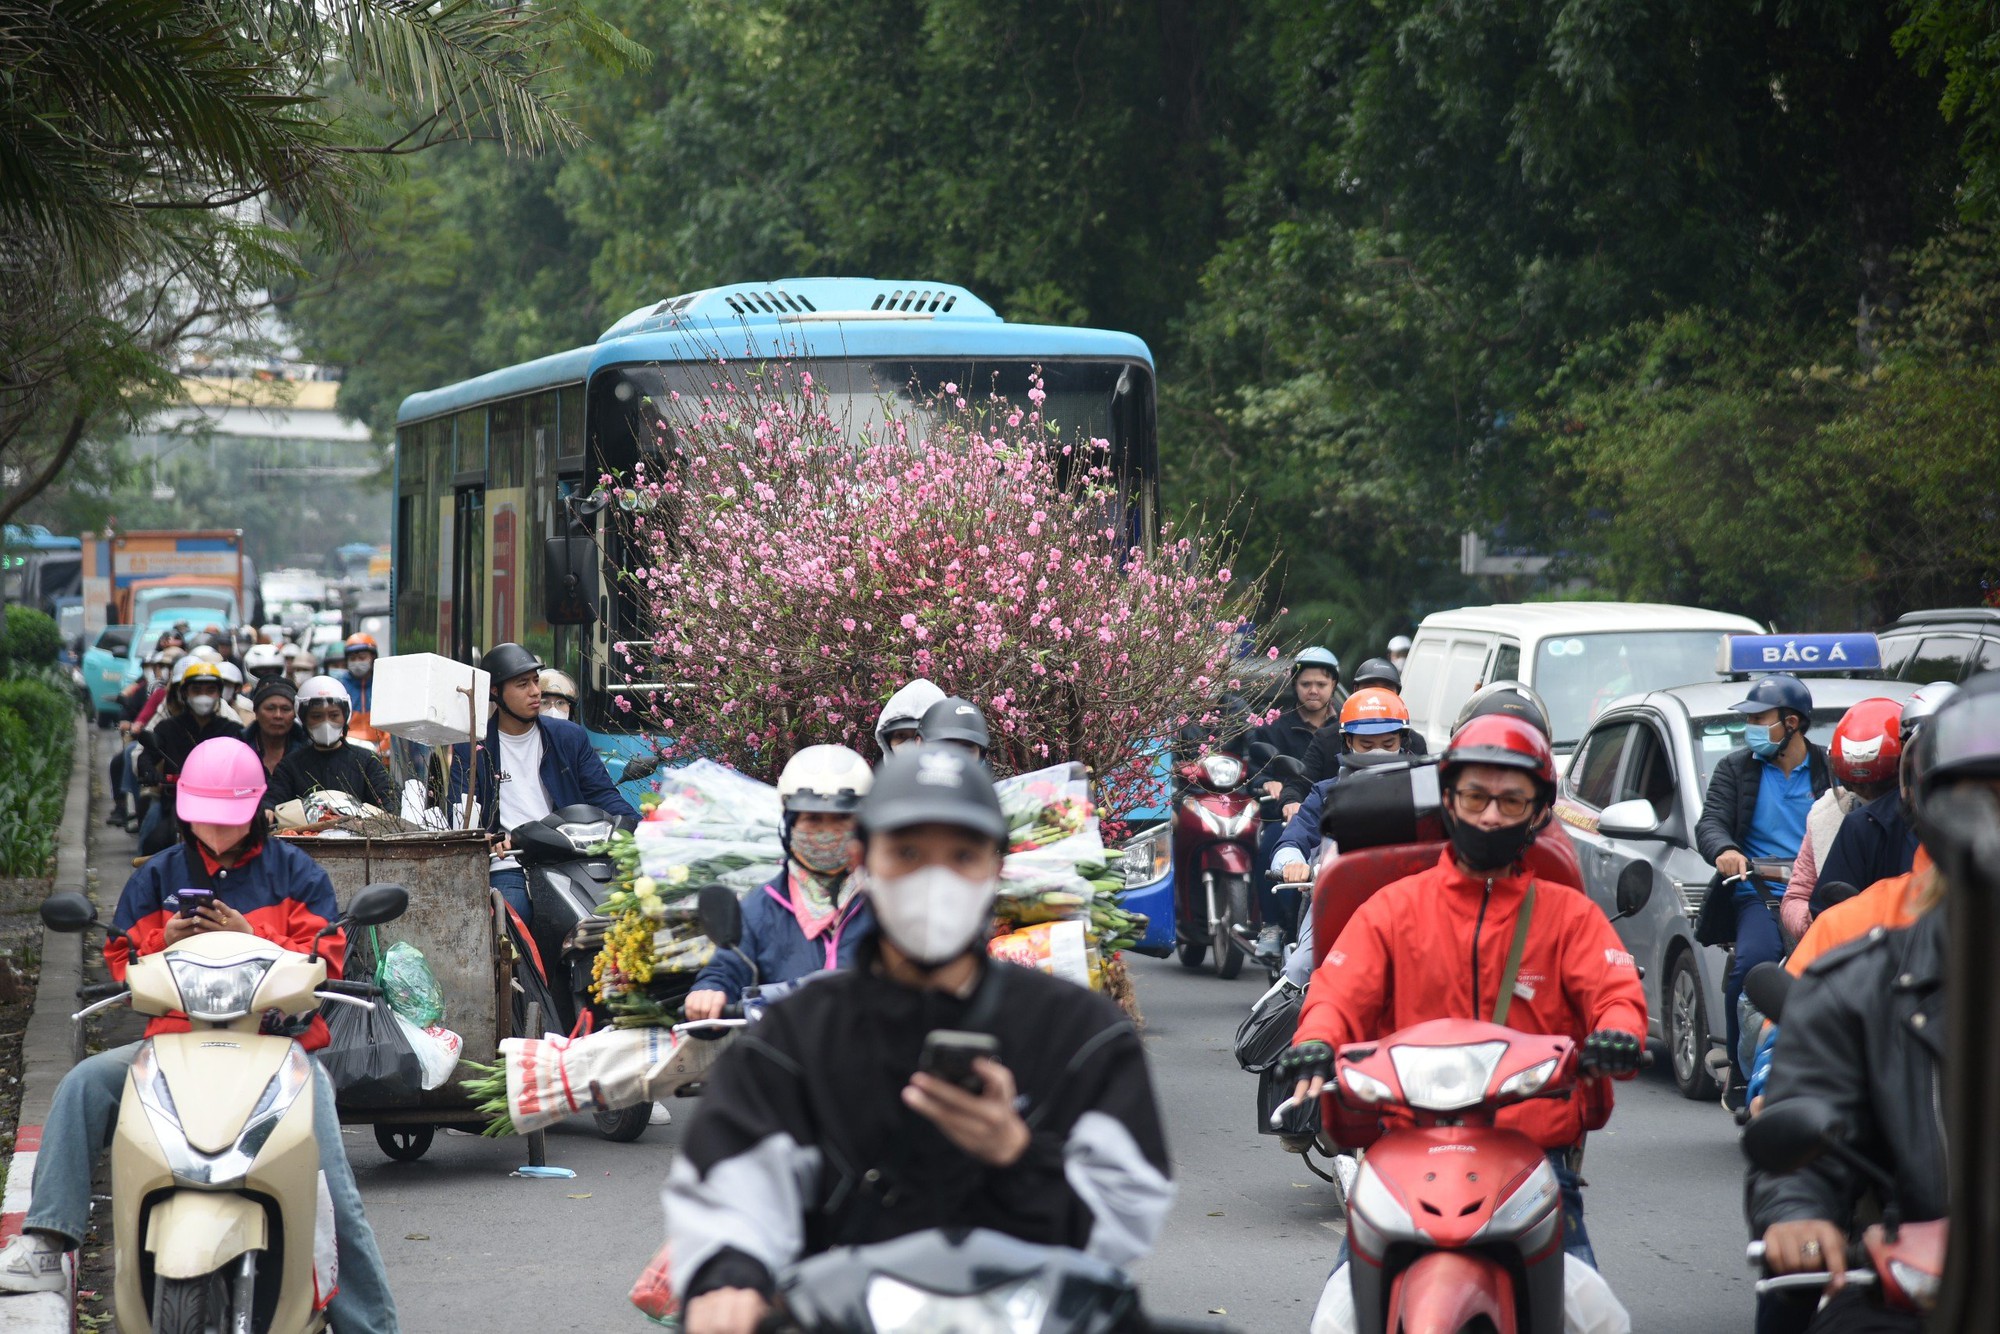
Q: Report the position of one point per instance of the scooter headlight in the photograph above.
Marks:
(216, 992)
(895, 1307)
(1222, 771)
(1364, 1088)
(1530, 1081)
(1444, 1079)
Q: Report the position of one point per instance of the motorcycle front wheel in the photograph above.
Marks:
(1234, 891)
(191, 1305)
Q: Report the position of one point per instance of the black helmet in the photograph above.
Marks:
(1508, 697)
(1787, 694)
(933, 784)
(1378, 672)
(508, 661)
(956, 719)
(1960, 740)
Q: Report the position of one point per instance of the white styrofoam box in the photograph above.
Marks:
(417, 696)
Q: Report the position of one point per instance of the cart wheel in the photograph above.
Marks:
(626, 1124)
(1190, 953)
(405, 1143)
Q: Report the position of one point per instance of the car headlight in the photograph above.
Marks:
(1148, 856)
(1444, 1079)
(1222, 771)
(217, 992)
(895, 1307)
(1365, 1087)
(1920, 1285)
(1530, 1081)
(587, 834)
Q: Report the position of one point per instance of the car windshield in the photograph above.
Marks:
(1577, 676)
(1717, 736)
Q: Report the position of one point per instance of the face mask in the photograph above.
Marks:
(1487, 851)
(326, 734)
(821, 850)
(1760, 742)
(360, 670)
(300, 678)
(557, 711)
(203, 705)
(933, 915)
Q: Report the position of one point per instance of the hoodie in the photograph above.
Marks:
(906, 707)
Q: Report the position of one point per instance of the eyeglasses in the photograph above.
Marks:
(1474, 801)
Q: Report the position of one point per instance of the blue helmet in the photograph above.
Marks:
(1316, 657)
(1778, 691)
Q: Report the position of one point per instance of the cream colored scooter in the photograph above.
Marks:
(222, 1222)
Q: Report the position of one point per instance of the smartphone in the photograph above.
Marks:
(193, 899)
(949, 1054)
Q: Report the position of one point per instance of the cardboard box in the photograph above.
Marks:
(419, 696)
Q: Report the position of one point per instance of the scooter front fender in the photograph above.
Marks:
(1447, 1290)
(195, 1232)
(1226, 858)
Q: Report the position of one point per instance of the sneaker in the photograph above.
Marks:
(32, 1262)
(1271, 943)
(117, 818)
(661, 1116)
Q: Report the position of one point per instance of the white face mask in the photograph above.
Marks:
(360, 668)
(203, 705)
(933, 915)
(556, 710)
(326, 734)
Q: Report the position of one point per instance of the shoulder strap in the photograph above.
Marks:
(1505, 1000)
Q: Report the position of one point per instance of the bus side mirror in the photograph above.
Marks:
(569, 584)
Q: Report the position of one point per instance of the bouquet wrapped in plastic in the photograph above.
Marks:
(539, 1081)
(1058, 871)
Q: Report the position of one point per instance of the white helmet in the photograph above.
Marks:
(230, 672)
(324, 689)
(264, 660)
(824, 778)
(905, 710)
(288, 650)
(1917, 710)
(206, 653)
(554, 682)
(1399, 644)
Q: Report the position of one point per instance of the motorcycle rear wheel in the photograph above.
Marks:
(624, 1125)
(191, 1305)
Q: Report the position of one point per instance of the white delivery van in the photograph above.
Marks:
(1579, 656)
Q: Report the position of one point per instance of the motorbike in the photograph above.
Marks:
(219, 1217)
(1215, 835)
(973, 1280)
(567, 884)
(1455, 1224)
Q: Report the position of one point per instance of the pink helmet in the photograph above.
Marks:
(221, 783)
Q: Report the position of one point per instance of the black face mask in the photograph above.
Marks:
(1489, 851)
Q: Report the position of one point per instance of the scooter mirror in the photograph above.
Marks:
(376, 904)
(721, 916)
(1767, 986)
(1261, 753)
(1285, 766)
(1635, 889)
(1787, 1135)
(68, 911)
(639, 766)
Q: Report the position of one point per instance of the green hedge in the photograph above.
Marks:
(32, 638)
(37, 730)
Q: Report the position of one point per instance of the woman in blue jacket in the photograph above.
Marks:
(809, 917)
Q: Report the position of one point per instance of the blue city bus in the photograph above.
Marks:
(486, 468)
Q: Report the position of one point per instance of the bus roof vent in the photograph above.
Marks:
(804, 299)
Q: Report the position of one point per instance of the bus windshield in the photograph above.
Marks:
(1578, 675)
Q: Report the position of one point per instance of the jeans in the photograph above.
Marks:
(1757, 941)
(512, 882)
(80, 1123)
(1576, 1238)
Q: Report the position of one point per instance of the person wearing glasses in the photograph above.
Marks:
(1437, 945)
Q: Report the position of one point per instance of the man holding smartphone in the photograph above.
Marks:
(928, 1087)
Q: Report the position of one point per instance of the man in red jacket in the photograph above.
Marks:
(1436, 946)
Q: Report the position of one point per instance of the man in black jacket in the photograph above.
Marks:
(1756, 810)
(817, 1129)
(1315, 682)
(1865, 1029)
(1876, 841)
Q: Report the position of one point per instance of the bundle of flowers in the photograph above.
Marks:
(1058, 872)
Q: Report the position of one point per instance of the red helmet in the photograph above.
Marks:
(1868, 744)
(1510, 742)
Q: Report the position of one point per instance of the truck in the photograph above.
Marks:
(119, 565)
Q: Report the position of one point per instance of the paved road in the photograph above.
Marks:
(1252, 1235)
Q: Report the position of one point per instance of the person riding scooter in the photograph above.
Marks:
(810, 917)
(558, 695)
(928, 1086)
(528, 766)
(257, 885)
(1477, 936)
(902, 718)
(330, 763)
(1315, 680)
(954, 721)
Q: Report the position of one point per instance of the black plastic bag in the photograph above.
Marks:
(1267, 1031)
(368, 1058)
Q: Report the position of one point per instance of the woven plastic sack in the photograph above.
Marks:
(409, 985)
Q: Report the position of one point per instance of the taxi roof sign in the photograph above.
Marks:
(1801, 655)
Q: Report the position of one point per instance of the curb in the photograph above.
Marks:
(47, 1050)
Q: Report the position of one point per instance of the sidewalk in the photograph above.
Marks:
(46, 1047)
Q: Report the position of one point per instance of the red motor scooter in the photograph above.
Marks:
(1215, 853)
(1455, 1225)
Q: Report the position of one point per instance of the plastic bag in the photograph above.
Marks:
(653, 1293)
(409, 985)
(1056, 948)
(369, 1061)
(437, 1049)
(1267, 1030)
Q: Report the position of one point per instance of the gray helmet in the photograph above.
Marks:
(1918, 709)
(1378, 672)
(507, 661)
(1509, 697)
(1316, 657)
(956, 719)
(1961, 740)
(933, 784)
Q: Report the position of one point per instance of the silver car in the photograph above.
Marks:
(1633, 794)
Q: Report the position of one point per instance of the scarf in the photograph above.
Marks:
(816, 899)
